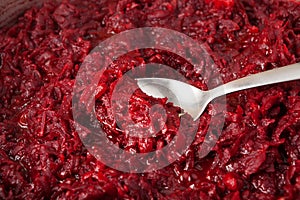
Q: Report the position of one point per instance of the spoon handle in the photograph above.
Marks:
(277, 75)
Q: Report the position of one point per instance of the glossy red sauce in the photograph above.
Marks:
(42, 156)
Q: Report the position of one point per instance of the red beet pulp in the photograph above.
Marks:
(42, 156)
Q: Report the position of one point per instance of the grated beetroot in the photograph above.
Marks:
(42, 156)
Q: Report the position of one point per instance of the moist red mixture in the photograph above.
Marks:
(42, 156)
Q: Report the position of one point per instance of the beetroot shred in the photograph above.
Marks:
(42, 156)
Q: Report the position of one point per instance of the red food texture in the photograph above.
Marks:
(257, 155)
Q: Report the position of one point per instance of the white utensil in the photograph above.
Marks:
(194, 101)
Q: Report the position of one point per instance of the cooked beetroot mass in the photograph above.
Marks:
(42, 156)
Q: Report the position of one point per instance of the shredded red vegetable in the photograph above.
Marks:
(42, 156)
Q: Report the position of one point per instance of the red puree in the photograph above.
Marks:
(42, 156)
